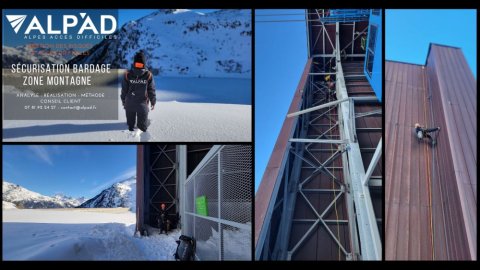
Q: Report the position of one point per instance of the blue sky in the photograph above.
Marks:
(409, 33)
(74, 170)
(280, 56)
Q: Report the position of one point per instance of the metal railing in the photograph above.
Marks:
(343, 15)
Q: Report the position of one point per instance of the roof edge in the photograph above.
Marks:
(428, 54)
(438, 45)
(403, 62)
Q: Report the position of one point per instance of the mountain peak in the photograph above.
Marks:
(181, 42)
(24, 198)
(120, 194)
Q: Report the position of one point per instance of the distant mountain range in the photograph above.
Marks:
(20, 197)
(121, 194)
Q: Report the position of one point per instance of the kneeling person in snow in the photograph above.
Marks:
(138, 89)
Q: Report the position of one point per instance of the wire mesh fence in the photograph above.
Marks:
(218, 211)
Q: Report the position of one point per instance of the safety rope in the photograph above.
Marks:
(429, 183)
(333, 172)
(436, 169)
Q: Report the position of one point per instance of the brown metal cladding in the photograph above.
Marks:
(430, 199)
(265, 190)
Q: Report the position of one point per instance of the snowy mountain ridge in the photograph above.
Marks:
(181, 43)
(121, 194)
(24, 198)
(28, 54)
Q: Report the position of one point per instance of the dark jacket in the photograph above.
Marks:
(162, 216)
(138, 88)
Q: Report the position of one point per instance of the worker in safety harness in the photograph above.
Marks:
(163, 220)
(423, 132)
(330, 86)
(138, 89)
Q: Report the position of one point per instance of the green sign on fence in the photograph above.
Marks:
(201, 203)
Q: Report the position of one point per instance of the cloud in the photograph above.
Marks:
(42, 153)
(123, 176)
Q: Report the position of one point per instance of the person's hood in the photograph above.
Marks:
(138, 71)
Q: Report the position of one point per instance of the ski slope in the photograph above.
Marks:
(171, 121)
(80, 234)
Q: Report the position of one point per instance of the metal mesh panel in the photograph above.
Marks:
(187, 228)
(237, 243)
(207, 236)
(189, 197)
(236, 183)
(206, 184)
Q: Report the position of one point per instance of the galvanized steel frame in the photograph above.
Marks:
(358, 197)
(363, 229)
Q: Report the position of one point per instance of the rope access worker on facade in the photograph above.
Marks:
(138, 89)
(423, 132)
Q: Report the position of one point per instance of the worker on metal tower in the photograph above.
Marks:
(330, 83)
(423, 132)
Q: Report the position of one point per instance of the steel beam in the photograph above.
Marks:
(370, 113)
(333, 55)
(375, 183)
(322, 73)
(366, 100)
(299, 140)
(326, 105)
(373, 163)
(181, 177)
(371, 246)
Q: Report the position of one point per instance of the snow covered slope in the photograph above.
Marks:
(80, 234)
(171, 122)
(121, 194)
(182, 43)
(24, 198)
(8, 205)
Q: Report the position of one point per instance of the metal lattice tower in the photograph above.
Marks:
(321, 201)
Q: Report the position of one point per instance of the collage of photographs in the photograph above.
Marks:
(239, 135)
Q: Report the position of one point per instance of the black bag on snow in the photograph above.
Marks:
(185, 249)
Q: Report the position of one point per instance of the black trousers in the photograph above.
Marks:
(141, 117)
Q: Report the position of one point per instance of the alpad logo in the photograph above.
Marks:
(16, 21)
(68, 22)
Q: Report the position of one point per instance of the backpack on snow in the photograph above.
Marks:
(185, 249)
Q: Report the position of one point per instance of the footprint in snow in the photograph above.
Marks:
(145, 136)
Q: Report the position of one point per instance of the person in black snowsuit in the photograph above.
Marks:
(138, 89)
(163, 220)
